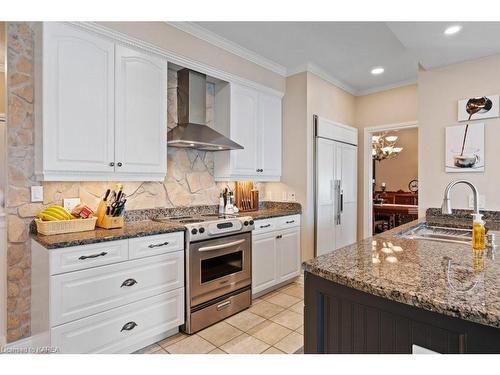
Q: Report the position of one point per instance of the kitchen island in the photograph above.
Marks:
(388, 294)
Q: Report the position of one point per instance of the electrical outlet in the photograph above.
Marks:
(291, 196)
(481, 201)
(37, 193)
(70, 203)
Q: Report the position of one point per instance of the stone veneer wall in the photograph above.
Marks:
(189, 178)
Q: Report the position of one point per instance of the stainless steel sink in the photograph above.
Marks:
(424, 231)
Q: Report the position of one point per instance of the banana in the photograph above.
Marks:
(45, 216)
(53, 213)
(59, 211)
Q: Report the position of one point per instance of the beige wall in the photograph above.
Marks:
(392, 106)
(439, 90)
(170, 38)
(398, 172)
(307, 95)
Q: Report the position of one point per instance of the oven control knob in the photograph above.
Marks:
(245, 223)
(251, 222)
(194, 231)
(202, 230)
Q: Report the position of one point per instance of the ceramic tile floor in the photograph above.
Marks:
(272, 325)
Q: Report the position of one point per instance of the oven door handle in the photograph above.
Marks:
(222, 246)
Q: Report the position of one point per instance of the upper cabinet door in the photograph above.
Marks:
(269, 135)
(141, 125)
(244, 130)
(78, 96)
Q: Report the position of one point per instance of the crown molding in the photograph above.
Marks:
(316, 70)
(229, 46)
(390, 86)
(172, 57)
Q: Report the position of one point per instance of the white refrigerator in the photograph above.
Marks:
(335, 179)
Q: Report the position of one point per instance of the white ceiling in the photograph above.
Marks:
(345, 52)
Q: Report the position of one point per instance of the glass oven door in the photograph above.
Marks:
(219, 266)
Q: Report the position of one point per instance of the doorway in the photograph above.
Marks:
(390, 191)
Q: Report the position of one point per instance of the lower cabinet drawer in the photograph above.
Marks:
(115, 330)
(80, 294)
(87, 256)
(264, 226)
(155, 245)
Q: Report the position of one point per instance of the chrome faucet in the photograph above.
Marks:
(446, 206)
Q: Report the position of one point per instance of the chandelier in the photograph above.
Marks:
(383, 147)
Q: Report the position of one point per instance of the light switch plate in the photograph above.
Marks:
(481, 201)
(70, 203)
(37, 193)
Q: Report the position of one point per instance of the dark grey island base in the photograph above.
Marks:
(342, 320)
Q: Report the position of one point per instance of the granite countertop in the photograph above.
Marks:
(267, 213)
(447, 278)
(138, 223)
(130, 230)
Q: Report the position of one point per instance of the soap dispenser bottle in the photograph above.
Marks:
(478, 232)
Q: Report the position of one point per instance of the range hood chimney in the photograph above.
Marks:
(191, 131)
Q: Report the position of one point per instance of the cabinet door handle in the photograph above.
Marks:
(152, 246)
(128, 282)
(290, 221)
(83, 257)
(119, 164)
(279, 236)
(129, 326)
(111, 163)
(265, 226)
(259, 170)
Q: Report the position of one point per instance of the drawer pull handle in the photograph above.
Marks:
(224, 305)
(265, 226)
(290, 221)
(129, 326)
(158, 245)
(279, 236)
(83, 257)
(128, 282)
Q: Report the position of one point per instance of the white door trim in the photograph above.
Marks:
(368, 172)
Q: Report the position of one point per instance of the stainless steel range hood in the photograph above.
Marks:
(191, 131)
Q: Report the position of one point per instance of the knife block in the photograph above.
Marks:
(110, 222)
(106, 221)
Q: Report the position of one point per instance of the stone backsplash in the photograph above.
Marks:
(189, 179)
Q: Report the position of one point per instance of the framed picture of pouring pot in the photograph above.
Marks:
(465, 148)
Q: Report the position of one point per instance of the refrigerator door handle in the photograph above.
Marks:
(337, 202)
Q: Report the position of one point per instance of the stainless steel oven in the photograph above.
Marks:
(219, 266)
(218, 269)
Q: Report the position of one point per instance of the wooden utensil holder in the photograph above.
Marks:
(111, 222)
(106, 221)
(246, 197)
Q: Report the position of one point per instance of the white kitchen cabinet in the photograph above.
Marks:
(275, 252)
(140, 112)
(102, 108)
(108, 297)
(253, 119)
(264, 262)
(288, 243)
(78, 102)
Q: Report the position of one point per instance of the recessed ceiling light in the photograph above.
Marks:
(378, 70)
(452, 29)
